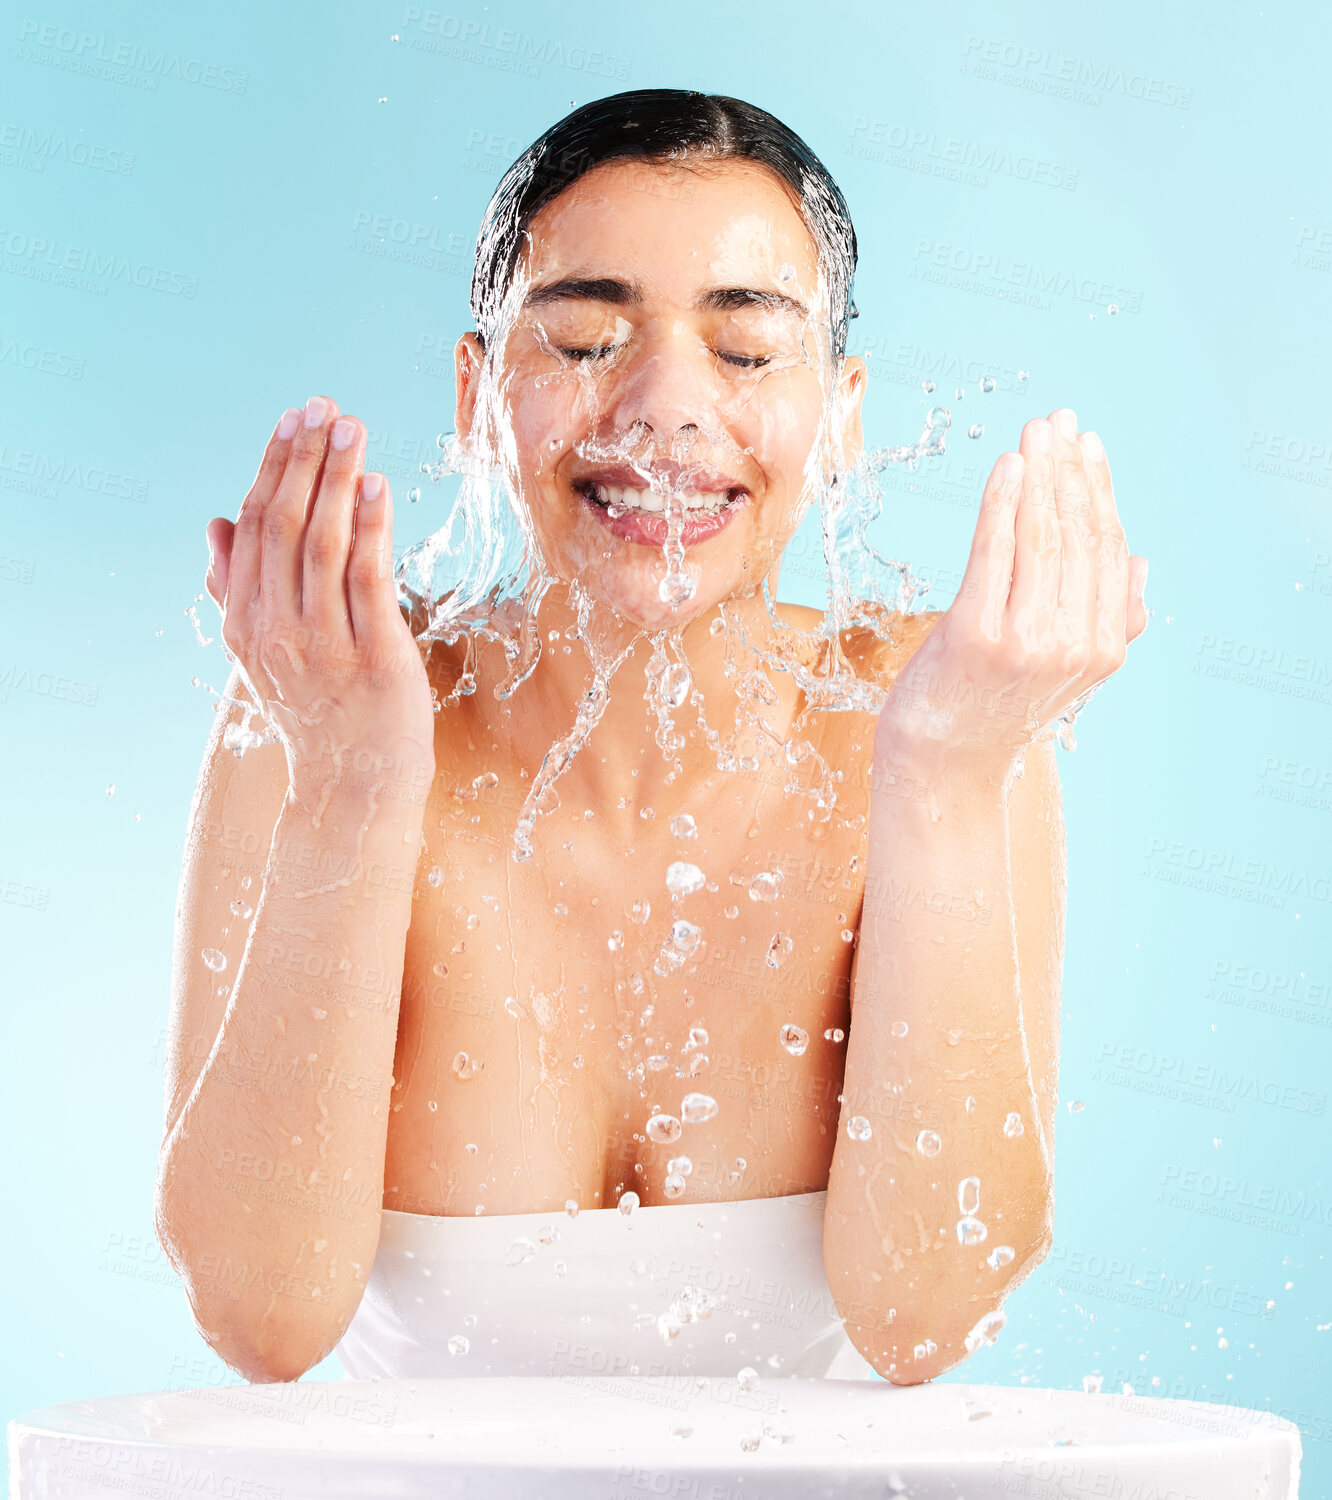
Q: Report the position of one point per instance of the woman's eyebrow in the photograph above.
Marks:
(731, 298)
(587, 289)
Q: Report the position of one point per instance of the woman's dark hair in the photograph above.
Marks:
(662, 125)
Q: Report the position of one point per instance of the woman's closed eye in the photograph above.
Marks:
(596, 351)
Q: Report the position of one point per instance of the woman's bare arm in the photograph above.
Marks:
(940, 1194)
(295, 901)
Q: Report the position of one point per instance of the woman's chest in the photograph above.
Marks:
(659, 1008)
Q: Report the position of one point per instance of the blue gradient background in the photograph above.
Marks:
(948, 128)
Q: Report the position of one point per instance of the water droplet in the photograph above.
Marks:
(976, 430)
(676, 589)
(794, 1039)
(698, 1037)
(928, 1143)
(859, 1128)
(1013, 1126)
(465, 1067)
(674, 684)
(657, 1061)
(683, 826)
(939, 416)
(968, 1195)
(214, 959)
(413, 494)
(986, 384)
(519, 1252)
(986, 1331)
(1112, 309)
(441, 969)
(470, 1148)
(928, 387)
(970, 1231)
(685, 935)
(1091, 1385)
(695, 1109)
(747, 1379)
(1075, 1106)
(242, 910)
(615, 941)
(683, 879)
(779, 950)
(680, 1164)
(785, 273)
(571, 1207)
(674, 1185)
(834, 1034)
(663, 1129)
(899, 1028)
(749, 1443)
(628, 1203)
(640, 911)
(458, 1344)
(682, 1432)
(1022, 377)
(764, 886)
(111, 790)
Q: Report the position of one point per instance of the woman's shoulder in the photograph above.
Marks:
(880, 642)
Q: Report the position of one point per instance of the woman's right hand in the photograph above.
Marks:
(304, 580)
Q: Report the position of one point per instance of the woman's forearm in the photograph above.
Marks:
(944, 1204)
(271, 1175)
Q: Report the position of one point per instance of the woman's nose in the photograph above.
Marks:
(668, 384)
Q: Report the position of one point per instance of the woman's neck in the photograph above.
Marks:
(622, 760)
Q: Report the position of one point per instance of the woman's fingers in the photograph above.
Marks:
(1037, 565)
(1079, 540)
(989, 575)
(1112, 556)
(243, 578)
(328, 533)
(370, 587)
(1137, 609)
(219, 534)
(282, 525)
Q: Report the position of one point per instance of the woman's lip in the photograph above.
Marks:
(650, 529)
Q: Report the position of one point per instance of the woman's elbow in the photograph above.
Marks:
(946, 1323)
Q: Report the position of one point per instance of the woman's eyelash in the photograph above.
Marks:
(600, 351)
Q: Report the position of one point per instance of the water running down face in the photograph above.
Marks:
(666, 384)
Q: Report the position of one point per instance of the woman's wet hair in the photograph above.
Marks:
(670, 126)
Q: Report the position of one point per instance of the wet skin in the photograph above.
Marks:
(386, 967)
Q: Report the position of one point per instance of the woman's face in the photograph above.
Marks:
(670, 353)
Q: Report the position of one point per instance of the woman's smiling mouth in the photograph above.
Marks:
(637, 506)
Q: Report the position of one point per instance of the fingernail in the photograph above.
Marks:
(1011, 466)
(1067, 422)
(316, 409)
(371, 484)
(212, 552)
(1093, 445)
(1042, 436)
(291, 420)
(343, 434)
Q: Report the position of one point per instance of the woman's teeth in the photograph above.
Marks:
(654, 501)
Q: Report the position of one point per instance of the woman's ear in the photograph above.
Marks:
(850, 398)
(467, 360)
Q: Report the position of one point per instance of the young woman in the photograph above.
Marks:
(812, 962)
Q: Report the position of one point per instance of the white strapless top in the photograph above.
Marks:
(675, 1289)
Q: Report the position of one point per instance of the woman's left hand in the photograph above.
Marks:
(1049, 602)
